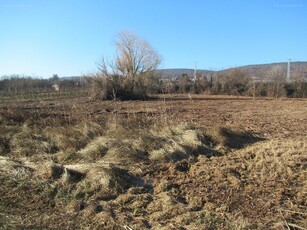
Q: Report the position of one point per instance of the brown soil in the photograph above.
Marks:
(214, 162)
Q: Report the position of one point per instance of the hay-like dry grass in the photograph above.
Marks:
(210, 163)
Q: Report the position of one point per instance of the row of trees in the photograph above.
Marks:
(234, 82)
(272, 84)
(16, 85)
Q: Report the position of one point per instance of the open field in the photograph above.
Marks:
(213, 162)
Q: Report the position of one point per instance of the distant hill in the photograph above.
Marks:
(263, 69)
(255, 70)
(173, 73)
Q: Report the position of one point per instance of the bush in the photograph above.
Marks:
(127, 77)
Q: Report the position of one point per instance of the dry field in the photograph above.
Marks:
(213, 162)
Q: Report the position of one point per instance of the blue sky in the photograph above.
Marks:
(68, 37)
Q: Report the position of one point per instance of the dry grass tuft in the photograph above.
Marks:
(96, 149)
(6, 133)
(73, 138)
(14, 169)
(180, 142)
(4, 147)
(223, 137)
(90, 129)
(27, 144)
(171, 151)
(92, 208)
(104, 182)
(71, 176)
(276, 161)
(66, 139)
(50, 171)
(2, 119)
(124, 152)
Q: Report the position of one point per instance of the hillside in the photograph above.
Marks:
(170, 73)
(266, 68)
(256, 70)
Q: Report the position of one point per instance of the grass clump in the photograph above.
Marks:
(171, 151)
(50, 171)
(95, 149)
(180, 142)
(104, 182)
(125, 152)
(73, 138)
(26, 144)
(223, 137)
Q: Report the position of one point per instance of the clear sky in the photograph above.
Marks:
(69, 37)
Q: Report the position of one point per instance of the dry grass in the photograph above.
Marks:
(96, 149)
(104, 183)
(203, 164)
(27, 144)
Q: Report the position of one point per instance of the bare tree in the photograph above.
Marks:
(297, 83)
(201, 85)
(236, 82)
(278, 80)
(127, 74)
(134, 56)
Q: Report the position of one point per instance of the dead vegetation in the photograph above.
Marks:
(210, 163)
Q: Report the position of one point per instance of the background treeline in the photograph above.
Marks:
(28, 87)
(236, 82)
(231, 82)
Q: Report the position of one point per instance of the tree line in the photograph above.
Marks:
(234, 82)
(21, 85)
(238, 82)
